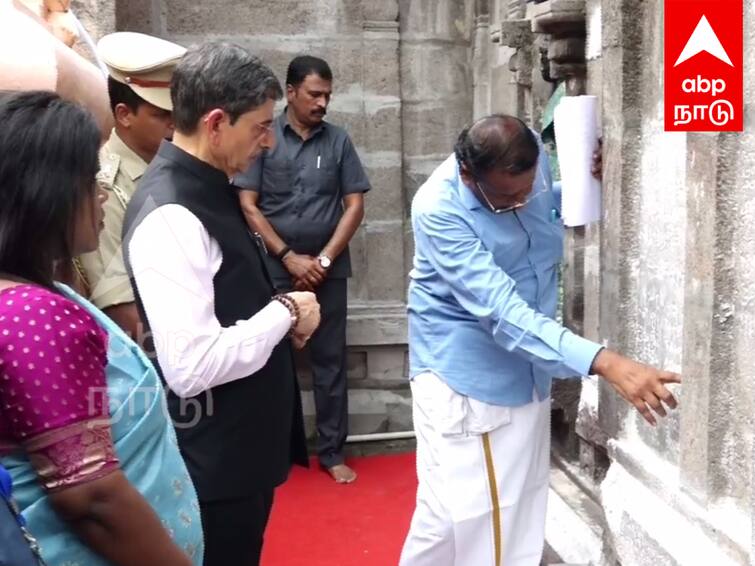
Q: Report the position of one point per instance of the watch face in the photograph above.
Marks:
(325, 261)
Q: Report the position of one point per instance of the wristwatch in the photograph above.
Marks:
(325, 261)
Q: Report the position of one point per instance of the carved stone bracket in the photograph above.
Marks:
(567, 57)
(563, 23)
(564, 16)
(521, 65)
(517, 34)
(513, 33)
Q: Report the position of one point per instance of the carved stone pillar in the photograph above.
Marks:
(561, 30)
(516, 35)
(481, 54)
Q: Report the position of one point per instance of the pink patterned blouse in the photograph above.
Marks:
(53, 403)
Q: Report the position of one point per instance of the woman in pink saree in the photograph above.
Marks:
(83, 427)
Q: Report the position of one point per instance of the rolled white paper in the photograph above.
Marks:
(576, 123)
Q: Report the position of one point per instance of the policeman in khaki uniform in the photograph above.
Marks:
(140, 68)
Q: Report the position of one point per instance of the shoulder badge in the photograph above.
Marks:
(109, 164)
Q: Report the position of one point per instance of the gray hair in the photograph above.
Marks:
(219, 75)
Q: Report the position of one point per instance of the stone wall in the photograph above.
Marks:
(678, 293)
(98, 18)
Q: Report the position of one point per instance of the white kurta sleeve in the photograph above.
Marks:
(174, 261)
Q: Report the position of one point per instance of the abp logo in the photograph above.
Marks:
(703, 68)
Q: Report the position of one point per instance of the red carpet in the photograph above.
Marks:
(316, 522)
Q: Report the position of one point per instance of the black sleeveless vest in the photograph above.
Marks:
(240, 437)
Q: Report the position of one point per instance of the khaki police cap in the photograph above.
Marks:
(142, 62)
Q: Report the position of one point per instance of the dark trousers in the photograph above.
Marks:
(327, 356)
(234, 529)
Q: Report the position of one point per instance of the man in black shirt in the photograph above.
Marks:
(305, 197)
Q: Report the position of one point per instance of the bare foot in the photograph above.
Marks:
(341, 473)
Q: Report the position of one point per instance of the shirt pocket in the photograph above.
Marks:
(327, 175)
(550, 244)
(547, 231)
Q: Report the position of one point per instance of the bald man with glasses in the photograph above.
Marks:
(484, 347)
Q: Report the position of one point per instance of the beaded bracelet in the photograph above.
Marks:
(293, 309)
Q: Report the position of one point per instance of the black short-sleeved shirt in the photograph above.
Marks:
(301, 185)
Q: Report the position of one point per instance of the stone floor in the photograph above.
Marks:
(382, 447)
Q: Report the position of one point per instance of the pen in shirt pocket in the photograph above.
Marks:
(318, 161)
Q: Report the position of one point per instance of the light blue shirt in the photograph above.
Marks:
(484, 292)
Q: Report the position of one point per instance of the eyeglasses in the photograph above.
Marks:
(531, 196)
(266, 130)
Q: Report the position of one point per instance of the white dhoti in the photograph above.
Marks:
(483, 480)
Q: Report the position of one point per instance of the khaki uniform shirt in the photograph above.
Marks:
(105, 271)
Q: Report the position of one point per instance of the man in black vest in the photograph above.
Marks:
(204, 293)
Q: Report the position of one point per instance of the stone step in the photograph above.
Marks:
(574, 524)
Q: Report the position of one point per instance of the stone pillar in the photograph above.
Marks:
(436, 82)
(591, 438)
(481, 53)
(436, 87)
(561, 26)
(377, 315)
